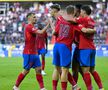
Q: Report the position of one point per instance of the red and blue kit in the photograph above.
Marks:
(63, 46)
(86, 41)
(31, 59)
(41, 43)
(86, 44)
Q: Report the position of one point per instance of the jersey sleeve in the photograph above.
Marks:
(79, 20)
(91, 24)
(32, 29)
(78, 27)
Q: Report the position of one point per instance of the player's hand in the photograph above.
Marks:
(49, 20)
(84, 30)
(48, 23)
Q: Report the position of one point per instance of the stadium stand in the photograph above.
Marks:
(11, 28)
(13, 17)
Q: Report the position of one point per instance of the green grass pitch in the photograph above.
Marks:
(11, 67)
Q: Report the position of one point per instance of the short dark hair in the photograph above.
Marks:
(29, 14)
(70, 9)
(56, 6)
(78, 6)
(87, 9)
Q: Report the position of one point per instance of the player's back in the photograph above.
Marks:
(65, 31)
(30, 37)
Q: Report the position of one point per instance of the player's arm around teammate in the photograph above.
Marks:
(87, 48)
(61, 60)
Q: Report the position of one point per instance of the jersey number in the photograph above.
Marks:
(64, 30)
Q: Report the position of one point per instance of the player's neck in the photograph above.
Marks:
(86, 15)
(68, 17)
(56, 15)
(31, 23)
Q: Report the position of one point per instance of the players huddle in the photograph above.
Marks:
(73, 26)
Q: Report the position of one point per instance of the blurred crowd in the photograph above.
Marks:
(12, 29)
(11, 25)
(100, 16)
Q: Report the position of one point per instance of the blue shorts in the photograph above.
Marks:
(76, 55)
(87, 57)
(31, 61)
(42, 51)
(61, 55)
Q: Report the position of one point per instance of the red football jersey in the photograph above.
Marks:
(41, 40)
(66, 32)
(86, 40)
(30, 38)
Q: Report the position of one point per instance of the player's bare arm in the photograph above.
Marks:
(52, 27)
(43, 30)
(88, 30)
(51, 24)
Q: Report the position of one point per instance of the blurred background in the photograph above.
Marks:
(13, 16)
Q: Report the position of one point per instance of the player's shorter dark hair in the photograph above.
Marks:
(78, 6)
(29, 14)
(87, 9)
(56, 6)
(70, 9)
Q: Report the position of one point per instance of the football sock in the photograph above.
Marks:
(97, 79)
(19, 79)
(43, 63)
(75, 78)
(71, 79)
(40, 80)
(87, 80)
(64, 85)
(55, 82)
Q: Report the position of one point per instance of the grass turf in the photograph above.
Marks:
(11, 67)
